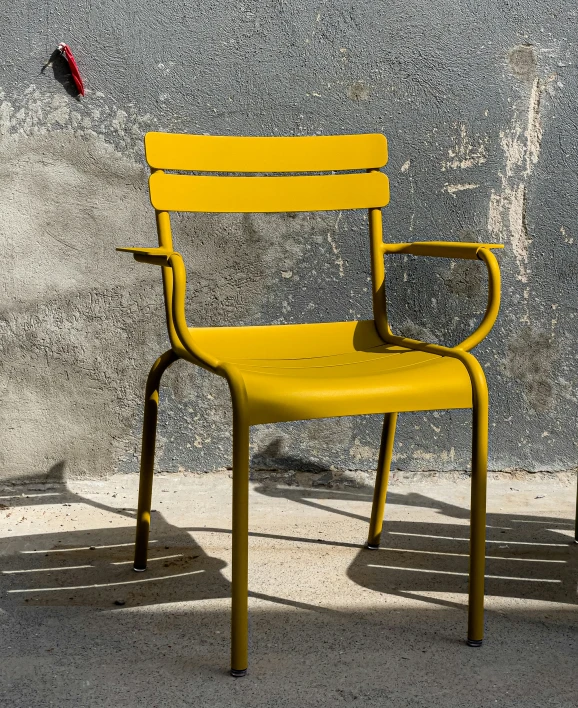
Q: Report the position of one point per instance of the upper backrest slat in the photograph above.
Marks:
(364, 190)
(211, 153)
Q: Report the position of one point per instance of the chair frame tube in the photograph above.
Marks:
(147, 458)
(479, 398)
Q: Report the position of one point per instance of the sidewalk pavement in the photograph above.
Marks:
(331, 623)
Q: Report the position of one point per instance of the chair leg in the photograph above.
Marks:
(147, 459)
(240, 569)
(478, 523)
(381, 480)
(576, 521)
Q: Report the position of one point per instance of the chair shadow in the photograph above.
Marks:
(93, 567)
(527, 557)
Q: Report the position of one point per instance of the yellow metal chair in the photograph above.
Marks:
(305, 371)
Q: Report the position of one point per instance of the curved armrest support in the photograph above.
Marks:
(469, 251)
(173, 260)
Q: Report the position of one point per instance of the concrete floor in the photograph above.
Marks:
(331, 623)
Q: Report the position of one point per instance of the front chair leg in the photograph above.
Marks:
(381, 480)
(240, 570)
(478, 521)
(147, 458)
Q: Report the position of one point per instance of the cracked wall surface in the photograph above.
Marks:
(479, 106)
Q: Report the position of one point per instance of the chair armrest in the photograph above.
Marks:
(440, 249)
(154, 256)
(470, 251)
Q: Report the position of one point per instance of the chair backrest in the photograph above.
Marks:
(359, 157)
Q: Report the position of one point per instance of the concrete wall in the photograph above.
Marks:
(478, 101)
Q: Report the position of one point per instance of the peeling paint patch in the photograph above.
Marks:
(466, 151)
(335, 247)
(39, 113)
(436, 457)
(521, 148)
(453, 188)
(414, 331)
(362, 452)
(358, 91)
(534, 127)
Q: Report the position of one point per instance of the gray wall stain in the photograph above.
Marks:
(479, 108)
(523, 62)
(531, 359)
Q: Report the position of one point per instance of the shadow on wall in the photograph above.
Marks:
(273, 457)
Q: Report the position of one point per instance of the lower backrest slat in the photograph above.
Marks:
(173, 192)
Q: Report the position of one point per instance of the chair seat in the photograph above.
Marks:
(305, 371)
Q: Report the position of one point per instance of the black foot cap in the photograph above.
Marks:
(372, 548)
(237, 673)
(474, 642)
(139, 570)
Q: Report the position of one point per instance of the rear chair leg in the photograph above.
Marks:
(478, 523)
(381, 480)
(240, 570)
(576, 521)
(147, 459)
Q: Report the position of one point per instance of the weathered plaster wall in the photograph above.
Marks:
(479, 102)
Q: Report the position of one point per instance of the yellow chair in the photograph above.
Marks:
(305, 371)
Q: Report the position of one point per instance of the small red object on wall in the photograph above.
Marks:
(68, 55)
